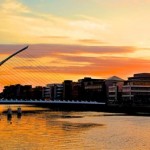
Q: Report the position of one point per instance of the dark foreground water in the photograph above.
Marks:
(39, 129)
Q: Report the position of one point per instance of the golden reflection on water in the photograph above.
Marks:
(55, 130)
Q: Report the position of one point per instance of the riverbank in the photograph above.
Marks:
(130, 110)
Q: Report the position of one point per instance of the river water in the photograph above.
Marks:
(42, 129)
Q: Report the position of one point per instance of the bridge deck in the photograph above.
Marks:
(12, 101)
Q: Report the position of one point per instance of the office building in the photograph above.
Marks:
(136, 89)
(114, 86)
(92, 89)
(53, 92)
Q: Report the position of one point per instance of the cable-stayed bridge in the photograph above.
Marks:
(40, 101)
(60, 103)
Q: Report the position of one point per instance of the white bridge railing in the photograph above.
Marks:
(22, 101)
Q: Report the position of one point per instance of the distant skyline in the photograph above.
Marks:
(71, 39)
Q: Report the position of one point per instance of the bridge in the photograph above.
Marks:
(49, 103)
(22, 101)
(58, 104)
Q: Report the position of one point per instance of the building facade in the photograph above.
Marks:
(92, 89)
(67, 90)
(136, 89)
(114, 86)
(53, 92)
(17, 92)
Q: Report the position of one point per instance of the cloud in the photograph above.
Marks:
(87, 24)
(54, 50)
(105, 67)
(70, 59)
(13, 6)
(9, 48)
(91, 41)
(54, 37)
(31, 25)
(102, 26)
(44, 60)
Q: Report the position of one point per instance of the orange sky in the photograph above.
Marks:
(42, 63)
(70, 41)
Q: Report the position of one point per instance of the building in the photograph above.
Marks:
(46, 93)
(58, 92)
(86, 89)
(67, 89)
(114, 86)
(71, 90)
(75, 90)
(17, 92)
(53, 92)
(37, 92)
(92, 89)
(136, 89)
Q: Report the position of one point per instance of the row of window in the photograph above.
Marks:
(136, 93)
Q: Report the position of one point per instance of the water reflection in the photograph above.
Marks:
(19, 116)
(67, 116)
(9, 118)
(67, 126)
(40, 128)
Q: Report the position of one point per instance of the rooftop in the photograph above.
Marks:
(114, 78)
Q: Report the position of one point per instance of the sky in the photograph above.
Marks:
(72, 39)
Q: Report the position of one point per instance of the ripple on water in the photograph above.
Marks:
(80, 126)
(46, 130)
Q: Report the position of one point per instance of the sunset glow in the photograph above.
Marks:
(72, 39)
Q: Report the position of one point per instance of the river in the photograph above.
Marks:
(43, 129)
